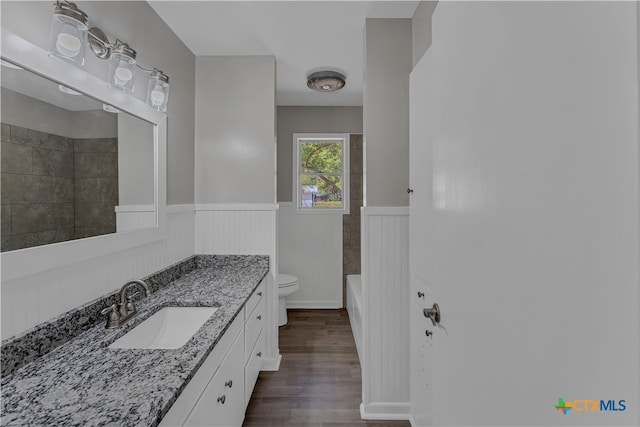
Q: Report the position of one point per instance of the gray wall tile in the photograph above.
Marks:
(93, 145)
(26, 189)
(63, 190)
(6, 132)
(101, 165)
(33, 218)
(20, 135)
(109, 190)
(5, 216)
(12, 243)
(55, 189)
(16, 158)
(98, 215)
(53, 236)
(78, 165)
(87, 190)
(52, 162)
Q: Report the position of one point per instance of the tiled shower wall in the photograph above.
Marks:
(55, 188)
(351, 222)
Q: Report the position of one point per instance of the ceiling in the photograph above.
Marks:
(304, 36)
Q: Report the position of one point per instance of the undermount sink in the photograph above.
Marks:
(171, 327)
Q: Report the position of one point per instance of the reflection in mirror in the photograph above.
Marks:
(69, 168)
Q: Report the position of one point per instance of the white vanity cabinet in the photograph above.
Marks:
(254, 339)
(217, 396)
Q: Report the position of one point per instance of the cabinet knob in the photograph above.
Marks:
(409, 190)
(260, 293)
(259, 354)
(259, 317)
(229, 384)
(222, 398)
(420, 294)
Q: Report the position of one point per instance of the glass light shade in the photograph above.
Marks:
(122, 71)
(158, 91)
(68, 37)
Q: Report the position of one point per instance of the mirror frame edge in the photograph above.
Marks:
(28, 261)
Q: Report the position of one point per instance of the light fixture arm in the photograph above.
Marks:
(99, 43)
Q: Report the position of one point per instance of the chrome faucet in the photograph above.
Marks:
(119, 313)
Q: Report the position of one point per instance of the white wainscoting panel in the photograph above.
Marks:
(133, 217)
(245, 229)
(30, 300)
(385, 315)
(310, 248)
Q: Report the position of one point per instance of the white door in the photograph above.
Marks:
(524, 166)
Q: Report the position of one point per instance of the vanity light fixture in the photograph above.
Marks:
(326, 81)
(68, 32)
(122, 67)
(158, 90)
(68, 90)
(69, 36)
(110, 108)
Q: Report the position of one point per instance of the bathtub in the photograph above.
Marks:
(354, 308)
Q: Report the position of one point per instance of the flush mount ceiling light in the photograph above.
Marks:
(326, 81)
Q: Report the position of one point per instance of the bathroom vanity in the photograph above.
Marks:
(207, 381)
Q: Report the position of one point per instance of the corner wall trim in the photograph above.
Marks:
(236, 207)
(314, 304)
(385, 411)
(385, 210)
(180, 208)
(272, 363)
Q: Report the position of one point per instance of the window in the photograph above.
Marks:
(321, 165)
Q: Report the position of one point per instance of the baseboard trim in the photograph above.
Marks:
(272, 363)
(315, 304)
(385, 411)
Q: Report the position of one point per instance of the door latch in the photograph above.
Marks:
(433, 314)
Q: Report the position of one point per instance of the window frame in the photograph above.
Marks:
(345, 137)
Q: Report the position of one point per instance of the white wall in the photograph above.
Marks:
(136, 23)
(235, 129)
(308, 120)
(310, 248)
(388, 60)
(421, 29)
(31, 113)
(385, 318)
(135, 161)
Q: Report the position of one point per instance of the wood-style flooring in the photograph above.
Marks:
(319, 382)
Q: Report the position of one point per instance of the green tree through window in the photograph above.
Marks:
(321, 173)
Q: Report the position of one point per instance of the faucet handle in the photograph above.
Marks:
(130, 306)
(114, 317)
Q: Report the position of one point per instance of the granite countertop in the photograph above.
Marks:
(84, 383)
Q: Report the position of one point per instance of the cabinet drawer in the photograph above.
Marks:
(254, 299)
(252, 328)
(253, 368)
(222, 403)
(184, 404)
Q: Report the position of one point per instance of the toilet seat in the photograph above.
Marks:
(286, 280)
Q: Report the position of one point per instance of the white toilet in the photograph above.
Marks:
(287, 284)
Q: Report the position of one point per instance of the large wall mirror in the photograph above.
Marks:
(72, 167)
(83, 165)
